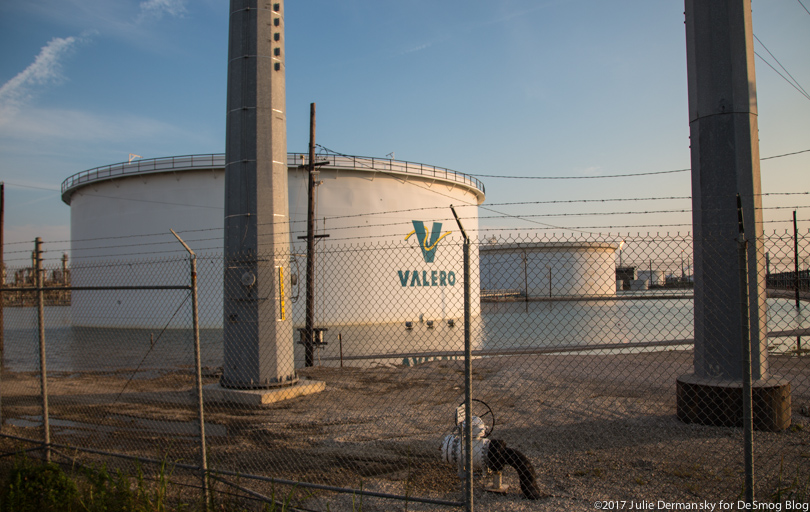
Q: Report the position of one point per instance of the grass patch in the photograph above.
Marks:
(28, 485)
(796, 489)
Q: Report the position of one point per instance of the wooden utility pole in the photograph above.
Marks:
(309, 341)
(308, 334)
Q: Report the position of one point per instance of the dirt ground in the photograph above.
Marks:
(595, 427)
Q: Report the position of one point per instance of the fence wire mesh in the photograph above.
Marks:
(606, 369)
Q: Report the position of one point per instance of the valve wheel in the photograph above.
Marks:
(482, 410)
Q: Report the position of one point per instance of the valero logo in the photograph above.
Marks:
(428, 240)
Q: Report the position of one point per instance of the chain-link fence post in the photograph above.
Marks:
(467, 431)
(747, 398)
(198, 372)
(43, 376)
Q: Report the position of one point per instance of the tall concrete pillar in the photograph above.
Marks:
(725, 162)
(258, 338)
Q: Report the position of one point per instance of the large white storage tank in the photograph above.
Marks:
(549, 269)
(393, 252)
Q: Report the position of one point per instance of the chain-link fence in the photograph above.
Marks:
(608, 369)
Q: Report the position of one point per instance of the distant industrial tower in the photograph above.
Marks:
(258, 338)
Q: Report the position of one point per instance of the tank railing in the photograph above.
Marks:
(218, 159)
(390, 165)
(143, 166)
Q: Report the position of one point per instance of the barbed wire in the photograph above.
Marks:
(428, 208)
(171, 240)
(216, 251)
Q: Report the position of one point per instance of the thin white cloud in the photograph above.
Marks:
(155, 9)
(416, 48)
(46, 69)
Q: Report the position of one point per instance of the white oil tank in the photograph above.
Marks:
(549, 269)
(393, 251)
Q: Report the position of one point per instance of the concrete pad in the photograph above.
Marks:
(258, 397)
(708, 401)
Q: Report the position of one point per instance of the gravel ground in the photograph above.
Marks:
(597, 428)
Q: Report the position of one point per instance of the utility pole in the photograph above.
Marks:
(308, 334)
(309, 341)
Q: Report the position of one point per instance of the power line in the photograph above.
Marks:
(407, 210)
(803, 6)
(617, 175)
(30, 186)
(77, 250)
(796, 82)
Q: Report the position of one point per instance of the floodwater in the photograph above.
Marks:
(502, 326)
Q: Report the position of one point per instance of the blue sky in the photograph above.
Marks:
(507, 87)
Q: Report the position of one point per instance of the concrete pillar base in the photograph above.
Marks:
(716, 402)
(259, 397)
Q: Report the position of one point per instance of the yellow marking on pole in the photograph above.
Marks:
(281, 292)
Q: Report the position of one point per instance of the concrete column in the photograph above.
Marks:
(725, 162)
(258, 338)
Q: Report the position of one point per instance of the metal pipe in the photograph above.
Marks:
(43, 373)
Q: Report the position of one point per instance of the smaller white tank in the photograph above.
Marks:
(549, 269)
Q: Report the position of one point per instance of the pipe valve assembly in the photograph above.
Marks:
(488, 455)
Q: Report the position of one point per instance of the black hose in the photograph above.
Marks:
(499, 455)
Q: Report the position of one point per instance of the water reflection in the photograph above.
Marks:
(501, 326)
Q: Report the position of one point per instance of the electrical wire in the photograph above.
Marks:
(358, 226)
(803, 6)
(796, 82)
(616, 175)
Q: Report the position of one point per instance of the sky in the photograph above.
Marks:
(525, 88)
